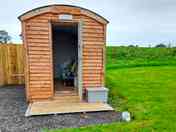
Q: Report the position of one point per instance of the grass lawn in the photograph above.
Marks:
(147, 91)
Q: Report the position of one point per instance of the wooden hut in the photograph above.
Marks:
(65, 54)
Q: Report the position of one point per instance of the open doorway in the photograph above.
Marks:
(65, 56)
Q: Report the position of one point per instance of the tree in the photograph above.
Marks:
(161, 46)
(131, 46)
(4, 37)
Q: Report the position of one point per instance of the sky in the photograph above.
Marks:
(138, 22)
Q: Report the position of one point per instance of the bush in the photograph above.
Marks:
(161, 46)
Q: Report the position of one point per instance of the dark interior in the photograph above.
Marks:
(65, 54)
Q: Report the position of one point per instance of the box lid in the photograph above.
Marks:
(97, 89)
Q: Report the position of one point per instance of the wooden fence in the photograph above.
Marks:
(11, 64)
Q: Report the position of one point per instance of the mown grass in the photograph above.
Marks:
(147, 91)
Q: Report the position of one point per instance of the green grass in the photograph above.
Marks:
(122, 57)
(149, 93)
(145, 89)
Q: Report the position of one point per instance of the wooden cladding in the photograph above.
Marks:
(38, 42)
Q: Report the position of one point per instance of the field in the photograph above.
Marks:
(142, 81)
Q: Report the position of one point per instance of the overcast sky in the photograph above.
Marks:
(141, 22)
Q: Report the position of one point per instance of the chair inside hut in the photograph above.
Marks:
(65, 57)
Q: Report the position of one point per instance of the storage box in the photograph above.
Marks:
(99, 94)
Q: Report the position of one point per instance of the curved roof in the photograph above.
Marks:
(38, 11)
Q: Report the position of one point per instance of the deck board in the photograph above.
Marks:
(54, 107)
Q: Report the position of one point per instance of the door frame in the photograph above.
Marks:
(80, 52)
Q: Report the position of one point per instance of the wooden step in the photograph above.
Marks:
(65, 93)
(67, 101)
(64, 98)
(62, 95)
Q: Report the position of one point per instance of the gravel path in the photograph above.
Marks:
(13, 107)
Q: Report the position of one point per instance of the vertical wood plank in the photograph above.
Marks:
(1, 67)
(26, 67)
(51, 59)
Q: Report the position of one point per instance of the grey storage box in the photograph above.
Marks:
(99, 94)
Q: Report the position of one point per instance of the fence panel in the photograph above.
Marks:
(11, 64)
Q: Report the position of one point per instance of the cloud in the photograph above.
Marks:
(140, 21)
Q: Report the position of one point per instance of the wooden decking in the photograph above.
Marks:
(64, 102)
(45, 108)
